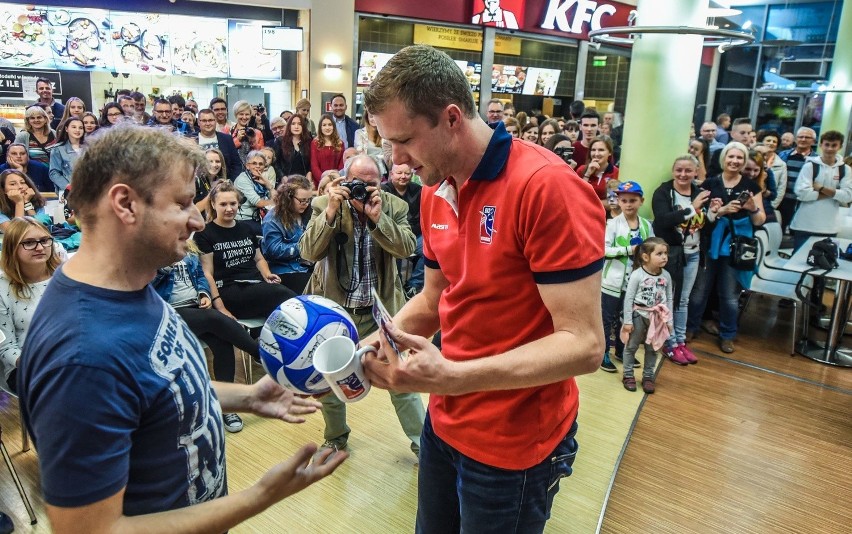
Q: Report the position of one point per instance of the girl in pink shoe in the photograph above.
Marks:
(647, 310)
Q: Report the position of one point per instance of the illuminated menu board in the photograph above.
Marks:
(140, 43)
(45, 37)
(246, 56)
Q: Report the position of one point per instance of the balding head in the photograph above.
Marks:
(708, 131)
(364, 168)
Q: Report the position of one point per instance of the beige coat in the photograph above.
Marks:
(392, 239)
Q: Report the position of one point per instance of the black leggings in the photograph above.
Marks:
(222, 334)
(254, 301)
(296, 281)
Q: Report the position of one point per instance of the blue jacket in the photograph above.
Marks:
(39, 173)
(233, 163)
(351, 128)
(164, 282)
(280, 246)
(62, 159)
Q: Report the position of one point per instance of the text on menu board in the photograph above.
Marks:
(22, 83)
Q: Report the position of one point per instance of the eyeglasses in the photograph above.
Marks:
(169, 111)
(303, 201)
(31, 244)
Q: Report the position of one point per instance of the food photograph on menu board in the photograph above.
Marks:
(370, 65)
(473, 72)
(246, 56)
(199, 46)
(140, 43)
(78, 38)
(24, 36)
(508, 79)
(541, 82)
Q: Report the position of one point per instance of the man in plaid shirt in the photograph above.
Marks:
(357, 244)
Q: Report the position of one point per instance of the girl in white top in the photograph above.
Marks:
(28, 260)
(368, 141)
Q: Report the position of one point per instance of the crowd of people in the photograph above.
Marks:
(335, 208)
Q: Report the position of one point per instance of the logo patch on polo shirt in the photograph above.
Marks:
(486, 224)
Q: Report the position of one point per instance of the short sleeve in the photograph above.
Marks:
(562, 226)
(202, 239)
(89, 459)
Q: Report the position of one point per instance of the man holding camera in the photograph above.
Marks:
(358, 232)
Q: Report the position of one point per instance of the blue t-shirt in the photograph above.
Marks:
(115, 392)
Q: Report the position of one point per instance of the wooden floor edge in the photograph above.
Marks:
(622, 451)
(808, 381)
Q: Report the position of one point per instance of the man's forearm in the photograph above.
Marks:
(553, 358)
(213, 517)
(233, 397)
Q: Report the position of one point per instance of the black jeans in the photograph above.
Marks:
(222, 334)
(253, 301)
(296, 281)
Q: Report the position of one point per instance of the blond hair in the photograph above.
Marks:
(12, 237)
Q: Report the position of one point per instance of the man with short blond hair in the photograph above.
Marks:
(127, 388)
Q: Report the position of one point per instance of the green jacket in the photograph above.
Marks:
(392, 239)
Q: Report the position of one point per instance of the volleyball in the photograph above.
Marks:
(292, 333)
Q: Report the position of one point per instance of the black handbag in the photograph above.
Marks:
(823, 254)
(743, 255)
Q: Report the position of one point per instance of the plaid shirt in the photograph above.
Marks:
(363, 275)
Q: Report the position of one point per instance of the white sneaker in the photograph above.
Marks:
(232, 421)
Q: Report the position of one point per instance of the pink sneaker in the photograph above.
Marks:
(687, 354)
(676, 355)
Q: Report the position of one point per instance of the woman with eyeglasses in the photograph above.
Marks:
(19, 197)
(256, 190)
(28, 261)
(111, 115)
(37, 134)
(283, 226)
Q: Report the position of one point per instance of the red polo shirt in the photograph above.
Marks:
(523, 218)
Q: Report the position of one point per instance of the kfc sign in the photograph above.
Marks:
(581, 12)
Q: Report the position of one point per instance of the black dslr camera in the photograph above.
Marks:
(249, 133)
(357, 190)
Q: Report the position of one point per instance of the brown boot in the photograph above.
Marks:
(726, 345)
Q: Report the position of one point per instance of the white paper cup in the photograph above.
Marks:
(340, 364)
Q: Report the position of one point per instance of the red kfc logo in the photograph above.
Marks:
(498, 13)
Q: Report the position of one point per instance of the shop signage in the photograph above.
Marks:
(498, 13)
(459, 39)
(561, 18)
(582, 12)
(22, 83)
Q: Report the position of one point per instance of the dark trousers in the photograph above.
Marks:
(253, 301)
(455, 493)
(296, 282)
(222, 334)
(787, 208)
(612, 308)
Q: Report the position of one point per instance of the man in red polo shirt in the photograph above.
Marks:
(513, 248)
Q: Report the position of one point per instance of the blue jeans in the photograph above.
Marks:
(690, 272)
(416, 278)
(458, 494)
(729, 289)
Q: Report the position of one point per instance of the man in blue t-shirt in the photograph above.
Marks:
(114, 386)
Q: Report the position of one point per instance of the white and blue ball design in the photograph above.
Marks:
(293, 332)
